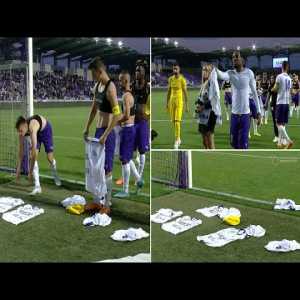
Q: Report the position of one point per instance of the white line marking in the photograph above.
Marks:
(254, 156)
(83, 183)
(232, 196)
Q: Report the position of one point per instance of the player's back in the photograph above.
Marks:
(284, 83)
(177, 84)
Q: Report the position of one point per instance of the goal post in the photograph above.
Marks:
(171, 168)
(16, 98)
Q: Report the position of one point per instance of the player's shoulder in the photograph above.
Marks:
(249, 71)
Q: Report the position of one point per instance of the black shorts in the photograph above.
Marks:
(210, 126)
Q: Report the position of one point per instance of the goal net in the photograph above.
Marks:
(13, 101)
(172, 168)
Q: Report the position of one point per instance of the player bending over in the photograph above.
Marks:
(40, 131)
(283, 85)
(106, 103)
(241, 79)
(176, 98)
(127, 136)
(295, 95)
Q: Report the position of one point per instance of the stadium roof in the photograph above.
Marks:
(85, 48)
(210, 48)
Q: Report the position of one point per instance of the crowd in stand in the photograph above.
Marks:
(54, 85)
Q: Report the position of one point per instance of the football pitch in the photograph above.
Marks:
(191, 138)
(57, 236)
(258, 179)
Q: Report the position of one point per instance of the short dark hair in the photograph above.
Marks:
(21, 120)
(285, 65)
(96, 64)
(176, 64)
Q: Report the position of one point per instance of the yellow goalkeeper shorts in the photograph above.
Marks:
(175, 110)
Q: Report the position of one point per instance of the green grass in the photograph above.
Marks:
(259, 175)
(57, 236)
(191, 139)
(184, 247)
(68, 124)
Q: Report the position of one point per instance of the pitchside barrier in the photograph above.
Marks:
(175, 170)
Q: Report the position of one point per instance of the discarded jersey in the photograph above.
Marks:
(181, 224)
(164, 215)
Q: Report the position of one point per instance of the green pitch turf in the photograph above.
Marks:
(68, 124)
(184, 247)
(57, 236)
(190, 137)
(257, 175)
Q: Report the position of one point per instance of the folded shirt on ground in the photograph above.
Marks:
(209, 211)
(283, 246)
(286, 204)
(129, 235)
(181, 224)
(164, 215)
(22, 214)
(219, 210)
(76, 199)
(139, 258)
(228, 235)
(7, 203)
(97, 220)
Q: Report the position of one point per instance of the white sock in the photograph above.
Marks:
(53, 166)
(109, 189)
(126, 176)
(134, 170)
(142, 164)
(297, 109)
(36, 175)
(266, 115)
(227, 115)
(283, 132)
(254, 124)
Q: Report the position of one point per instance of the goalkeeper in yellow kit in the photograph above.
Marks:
(176, 98)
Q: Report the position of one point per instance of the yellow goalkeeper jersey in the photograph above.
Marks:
(177, 86)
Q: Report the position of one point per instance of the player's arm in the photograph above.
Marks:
(222, 75)
(113, 100)
(252, 85)
(169, 94)
(20, 156)
(91, 118)
(126, 113)
(33, 129)
(185, 94)
(275, 87)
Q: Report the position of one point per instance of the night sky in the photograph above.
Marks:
(141, 45)
(212, 44)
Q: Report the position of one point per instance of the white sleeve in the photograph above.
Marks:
(222, 75)
(252, 84)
